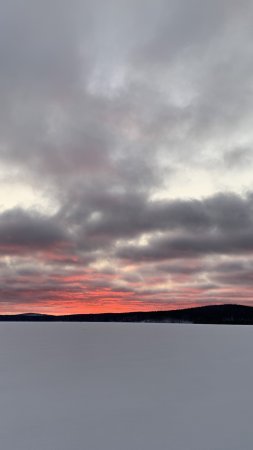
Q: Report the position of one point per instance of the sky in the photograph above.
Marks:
(126, 155)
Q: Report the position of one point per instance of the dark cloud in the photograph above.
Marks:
(125, 215)
(189, 247)
(219, 225)
(20, 230)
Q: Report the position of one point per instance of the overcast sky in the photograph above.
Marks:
(125, 154)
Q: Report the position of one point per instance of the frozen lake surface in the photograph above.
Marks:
(125, 387)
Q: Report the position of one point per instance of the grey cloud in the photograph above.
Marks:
(181, 268)
(125, 215)
(218, 225)
(181, 25)
(76, 40)
(189, 247)
(242, 279)
(19, 229)
(225, 228)
(38, 42)
(238, 157)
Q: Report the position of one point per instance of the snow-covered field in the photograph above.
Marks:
(125, 387)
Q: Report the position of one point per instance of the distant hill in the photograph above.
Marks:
(213, 314)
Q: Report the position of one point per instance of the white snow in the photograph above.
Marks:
(125, 387)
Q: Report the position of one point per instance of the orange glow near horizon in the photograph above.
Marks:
(108, 305)
(81, 293)
(90, 308)
(99, 302)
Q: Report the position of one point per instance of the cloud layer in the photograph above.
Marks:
(125, 154)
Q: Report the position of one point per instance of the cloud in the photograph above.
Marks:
(127, 215)
(218, 225)
(26, 231)
(84, 256)
(238, 157)
(123, 122)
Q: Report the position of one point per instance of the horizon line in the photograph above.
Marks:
(123, 312)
